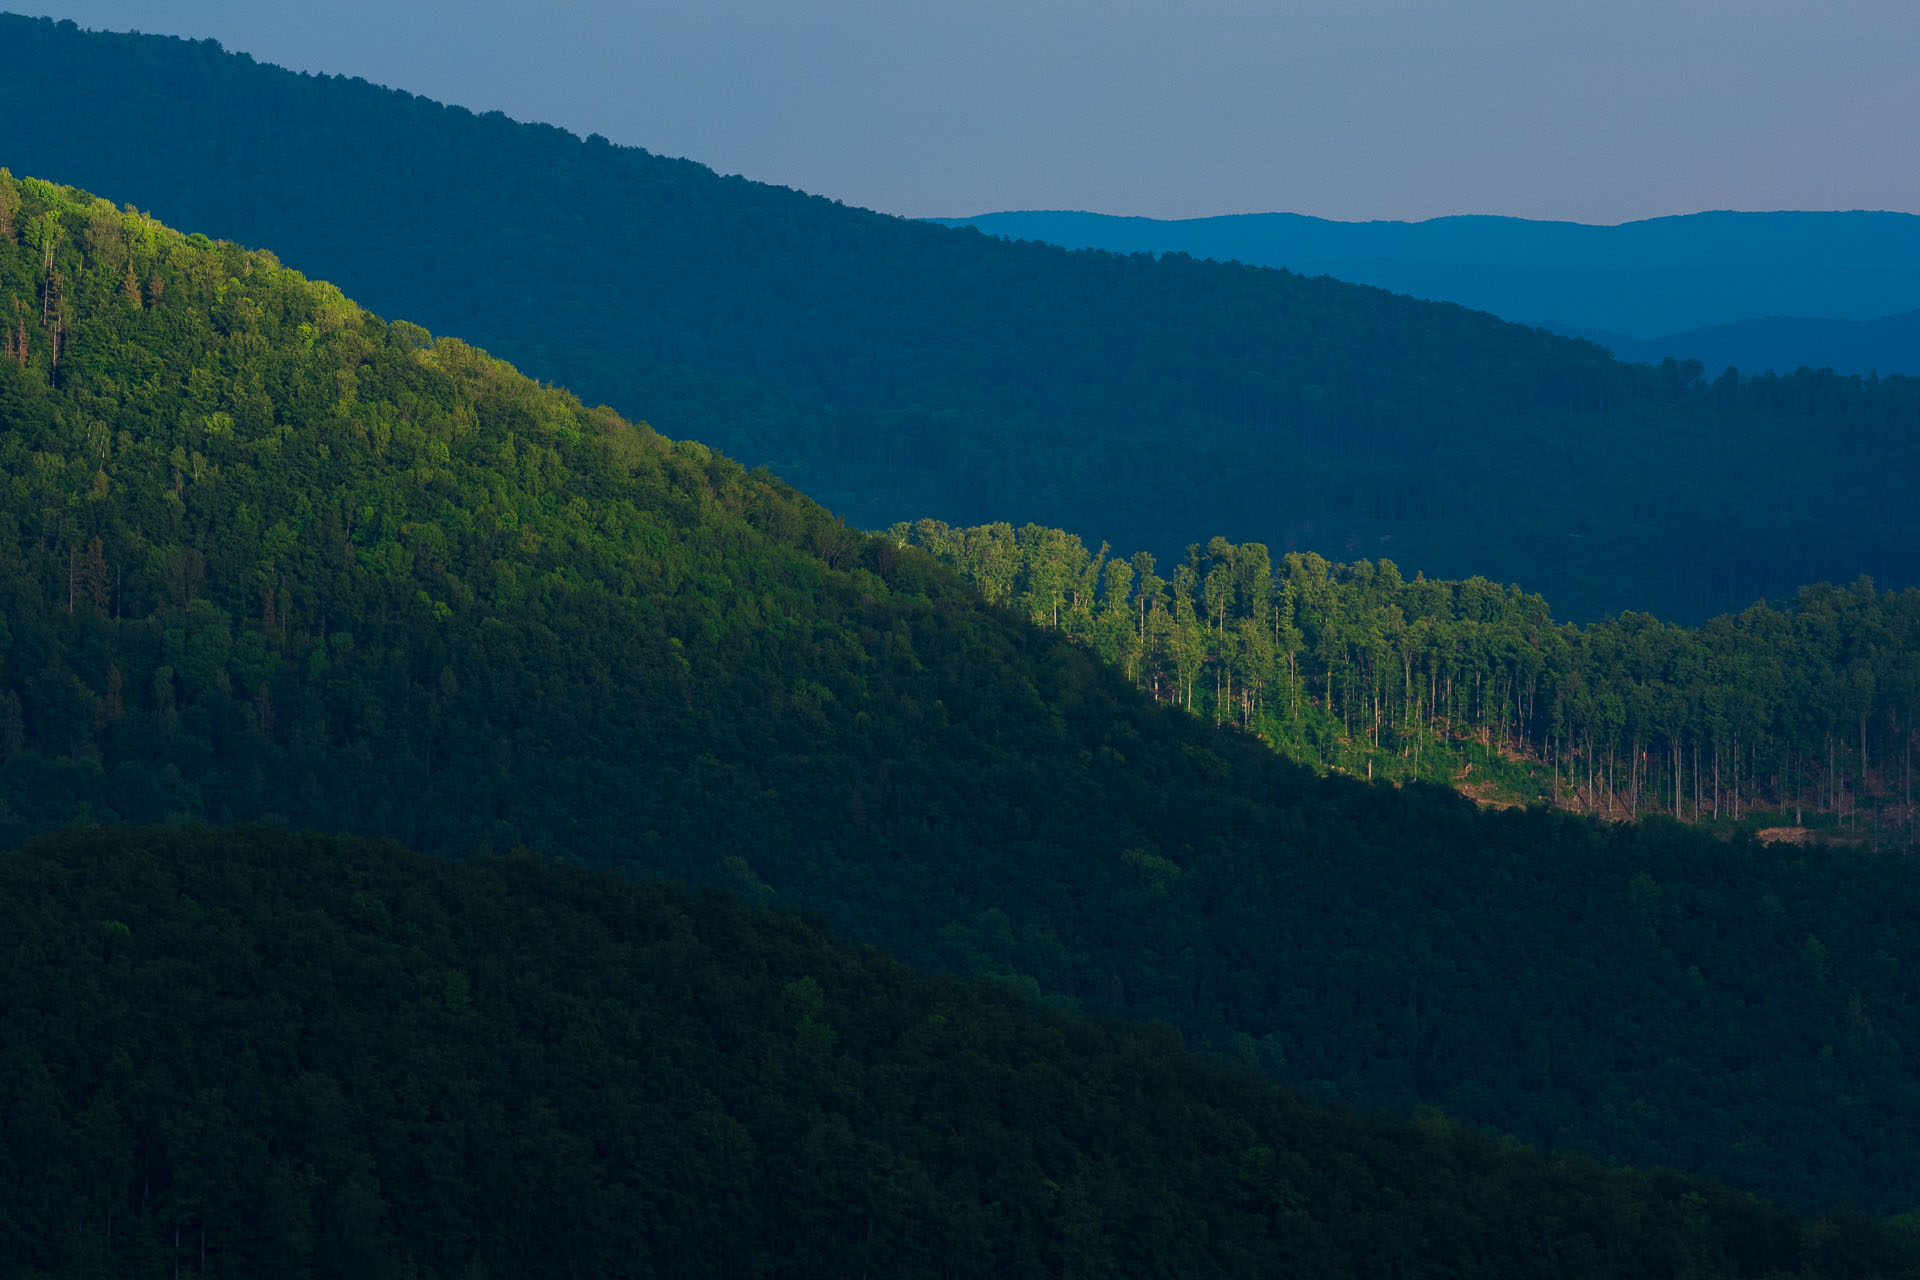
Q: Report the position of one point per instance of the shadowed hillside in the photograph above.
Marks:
(248, 1054)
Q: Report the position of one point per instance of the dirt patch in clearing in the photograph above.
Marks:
(1784, 835)
(1479, 794)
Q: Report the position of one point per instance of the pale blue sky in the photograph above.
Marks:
(1597, 112)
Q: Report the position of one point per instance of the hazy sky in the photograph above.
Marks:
(1599, 111)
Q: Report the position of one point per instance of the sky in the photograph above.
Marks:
(1597, 111)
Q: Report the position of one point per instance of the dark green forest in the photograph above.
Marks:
(1803, 710)
(265, 557)
(897, 370)
(249, 1054)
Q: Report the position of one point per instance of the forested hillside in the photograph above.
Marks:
(896, 369)
(1806, 709)
(246, 1054)
(266, 557)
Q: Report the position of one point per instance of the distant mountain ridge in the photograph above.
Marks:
(1885, 346)
(1645, 279)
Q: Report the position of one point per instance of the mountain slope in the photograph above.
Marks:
(266, 557)
(897, 370)
(249, 1054)
(1658, 276)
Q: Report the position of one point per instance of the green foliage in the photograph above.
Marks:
(1809, 708)
(896, 369)
(264, 558)
(510, 1068)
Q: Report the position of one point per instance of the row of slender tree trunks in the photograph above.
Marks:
(1810, 707)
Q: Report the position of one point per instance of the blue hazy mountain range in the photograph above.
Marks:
(1756, 290)
(1888, 345)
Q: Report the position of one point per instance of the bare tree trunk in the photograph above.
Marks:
(1734, 799)
(1799, 790)
(1863, 756)
(1673, 750)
